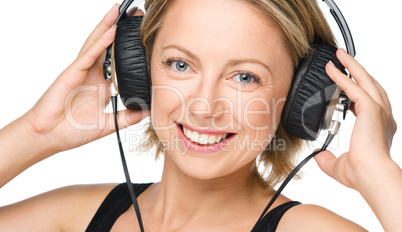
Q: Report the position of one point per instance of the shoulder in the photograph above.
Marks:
(66, 209)
(82, 202)
(315, 218)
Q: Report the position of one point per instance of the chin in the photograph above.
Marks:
(201, 167)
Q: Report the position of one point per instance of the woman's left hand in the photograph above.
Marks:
(373, 130)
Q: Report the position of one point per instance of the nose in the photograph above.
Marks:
(207, 102)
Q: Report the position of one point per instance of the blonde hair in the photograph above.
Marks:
(301, 24)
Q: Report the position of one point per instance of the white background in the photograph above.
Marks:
(39, 39)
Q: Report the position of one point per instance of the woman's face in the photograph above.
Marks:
(218, 69)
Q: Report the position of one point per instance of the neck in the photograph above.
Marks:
(181, 198)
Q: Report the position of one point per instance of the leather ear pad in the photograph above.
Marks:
(132, 73)
(310, 94)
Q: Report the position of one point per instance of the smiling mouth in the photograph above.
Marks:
(202, 138)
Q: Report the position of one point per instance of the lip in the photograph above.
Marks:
(208, 148)
(204, 131)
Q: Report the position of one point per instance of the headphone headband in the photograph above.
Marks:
(342, 24)
(123, 10)
(107, 62)
(336, 13)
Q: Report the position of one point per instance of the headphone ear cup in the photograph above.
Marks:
(310, 94)
(132, 74)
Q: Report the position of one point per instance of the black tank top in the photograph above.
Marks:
(118, 201)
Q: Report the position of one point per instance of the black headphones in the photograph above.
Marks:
(310, 104)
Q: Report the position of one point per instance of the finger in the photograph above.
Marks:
(89, 56)
(351, 89)
(77, 72)
(326, 161)
(384, 95)
(388, 106)
(129, 117)
(137, 13)
(363, 79)
(125, 118)
(108, 20)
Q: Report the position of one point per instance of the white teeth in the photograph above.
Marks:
(202, 138)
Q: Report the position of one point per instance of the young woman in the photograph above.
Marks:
(211, 53)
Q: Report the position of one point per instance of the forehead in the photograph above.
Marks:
(221, 27)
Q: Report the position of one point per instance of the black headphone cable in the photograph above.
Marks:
(114, 94)
(334, 128)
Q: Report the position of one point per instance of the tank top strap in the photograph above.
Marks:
(115, 204)
(118, 201)
(271, 220)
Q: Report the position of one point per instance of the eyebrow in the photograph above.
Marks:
(185, 51)
(231, 63)
(254, 61)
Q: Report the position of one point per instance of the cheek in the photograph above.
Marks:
(169, 98)
(257, 114)
(263, 113)
(163, 103)
(165, 99)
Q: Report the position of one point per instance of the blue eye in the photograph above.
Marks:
(176, 64)
(180, 66)
(246, 78)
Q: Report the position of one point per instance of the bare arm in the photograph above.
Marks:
(49, 128)
(382, 190)
(56, 121)
(21, 147)
(65, 209)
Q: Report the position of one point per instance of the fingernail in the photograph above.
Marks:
(330, 64)
(115, 5)
(342, 51)
(114, 26)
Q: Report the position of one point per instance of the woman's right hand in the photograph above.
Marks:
(70, 113)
